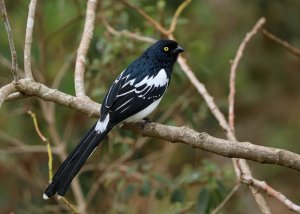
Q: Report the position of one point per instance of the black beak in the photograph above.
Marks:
(178, 50)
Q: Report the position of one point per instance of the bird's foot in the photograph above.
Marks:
(145, 121)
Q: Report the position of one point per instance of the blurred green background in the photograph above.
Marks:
(142, 175)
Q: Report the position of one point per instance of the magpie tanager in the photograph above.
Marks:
(133, 96)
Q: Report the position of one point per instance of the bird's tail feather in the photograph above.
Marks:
(73, 163)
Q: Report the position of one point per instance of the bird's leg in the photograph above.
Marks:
(145, 121)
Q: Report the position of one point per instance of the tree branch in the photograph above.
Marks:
(14, 62)
(84, 46)
(5, 91)
(272, 192)
(226, 148)
(31, 88)
(281, 42)
(233, 69)
(28, 39)
(177, 13)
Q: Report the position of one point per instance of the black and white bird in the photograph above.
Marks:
(135, 93)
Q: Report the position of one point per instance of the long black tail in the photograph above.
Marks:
(73, 163)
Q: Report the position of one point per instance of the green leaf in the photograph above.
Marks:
(145, 188)
(160, 193)
(202, 206)
(177, 196)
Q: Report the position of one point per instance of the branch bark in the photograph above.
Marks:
(14, 63)
(84, 46)
(204, 141)
(28, 39)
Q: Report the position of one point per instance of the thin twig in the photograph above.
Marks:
(28, 39)
(14, 62)
(45, 140)
(177, 13)
(68, 204)
(84, 46)
(233, 69)
(226, 199)
(126, 33)
(147, 17)
(28, 149)
(281, 42)
(272, 192)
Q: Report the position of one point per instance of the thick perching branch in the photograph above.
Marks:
(204, 141)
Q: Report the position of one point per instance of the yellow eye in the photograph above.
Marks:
(166, 49)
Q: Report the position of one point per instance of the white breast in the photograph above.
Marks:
(144, 113)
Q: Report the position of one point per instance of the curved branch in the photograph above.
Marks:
(84, 46)
(28, 39)
(14, 62)
(5, 91)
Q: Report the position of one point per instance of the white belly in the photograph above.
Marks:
(144, 113)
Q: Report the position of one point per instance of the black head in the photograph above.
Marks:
(165, 50)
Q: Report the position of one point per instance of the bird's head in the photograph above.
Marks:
(165, 50)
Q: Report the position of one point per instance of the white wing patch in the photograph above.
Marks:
(159, 80)
(101, 126)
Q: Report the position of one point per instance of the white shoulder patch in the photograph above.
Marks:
(159, 80)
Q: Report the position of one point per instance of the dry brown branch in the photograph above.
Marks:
(281, 42)
(233, 69)
(28, 39)
(5, 91)
(84, 46)
(126, 33)
(272, 192)
(241, 167)
(68, 204)
(177, 13)
(27, 149)
(226, 148)
(14, 62)
(153, 22)
(45, 140)
(31, 88)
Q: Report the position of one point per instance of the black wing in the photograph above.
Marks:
(129, 95)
